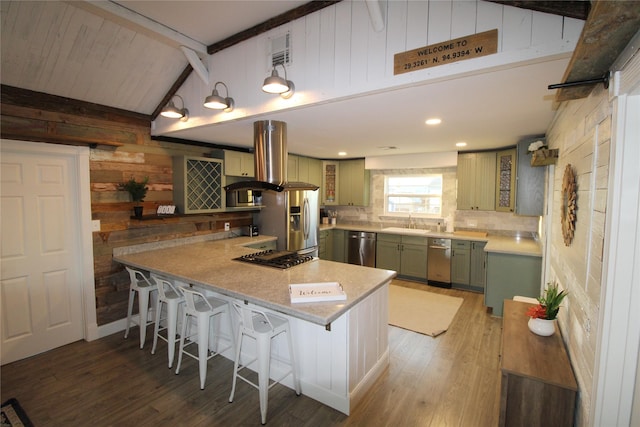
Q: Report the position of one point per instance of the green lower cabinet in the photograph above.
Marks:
(339, 245)
(460, 263)
(509, 275)
(478, 266)
(325, 245)
(407, 255)
(468, 265)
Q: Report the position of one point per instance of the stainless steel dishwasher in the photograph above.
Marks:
(361, 248)
(439, 262)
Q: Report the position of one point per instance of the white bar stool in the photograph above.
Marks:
(141, 285)
(202, 309)
(262, 327)
(172, 298)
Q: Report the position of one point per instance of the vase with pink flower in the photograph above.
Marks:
(542, 316)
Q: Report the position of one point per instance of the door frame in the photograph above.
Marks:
(81, 184)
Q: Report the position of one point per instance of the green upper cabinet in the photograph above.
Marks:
(529, 183)
(506, 180)
(477, 181)
(237, 163)
(292, 168)
(353, 183)
(330, 174)
(304, 169)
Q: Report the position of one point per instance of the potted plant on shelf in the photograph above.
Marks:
(543, 315)
(138, 191)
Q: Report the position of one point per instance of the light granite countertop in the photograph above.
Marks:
(495, 244)
(210, 264)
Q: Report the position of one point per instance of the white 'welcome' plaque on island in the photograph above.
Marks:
(315, 292)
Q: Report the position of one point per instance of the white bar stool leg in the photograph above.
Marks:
(203, 347)
(143, 312)
(172, 326)
(263, 345)
(132, 295)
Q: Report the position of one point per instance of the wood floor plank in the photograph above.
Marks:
(449, 380)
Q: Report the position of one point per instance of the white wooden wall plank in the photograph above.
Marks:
(396, 32)
(439, 26)
(545, 28)
(377, 53)
(360, 27)
(463, 18)
(298, 69)
(517, 28)
(326, 48)
(343, 45)
(490, 16)
(312, 52)
(417, 17)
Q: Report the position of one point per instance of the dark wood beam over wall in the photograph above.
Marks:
(572, 9)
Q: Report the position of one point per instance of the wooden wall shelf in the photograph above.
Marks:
(544, 157)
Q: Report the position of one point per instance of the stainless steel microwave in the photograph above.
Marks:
(244, 198)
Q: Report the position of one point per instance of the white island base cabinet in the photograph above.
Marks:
(337, 364)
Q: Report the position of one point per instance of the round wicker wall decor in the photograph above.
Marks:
(568, 208)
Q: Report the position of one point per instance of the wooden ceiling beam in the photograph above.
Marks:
(572, 9)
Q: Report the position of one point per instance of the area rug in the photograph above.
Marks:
(421, 311)
(13, 415)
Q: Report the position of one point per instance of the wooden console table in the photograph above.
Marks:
(538, 387)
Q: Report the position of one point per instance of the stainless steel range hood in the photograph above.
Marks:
(270, 160)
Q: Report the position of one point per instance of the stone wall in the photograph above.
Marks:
(581, 131)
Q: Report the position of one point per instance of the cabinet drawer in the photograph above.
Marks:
(393, 238)
(460, 244)
(415, 240)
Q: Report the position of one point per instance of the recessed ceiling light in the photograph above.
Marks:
(461, 144)
(433, 121)
(342, 153)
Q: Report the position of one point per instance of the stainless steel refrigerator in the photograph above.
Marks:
(292, 215)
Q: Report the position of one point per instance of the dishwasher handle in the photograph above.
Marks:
(438, 247)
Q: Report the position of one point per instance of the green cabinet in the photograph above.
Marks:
(529, 183)
(476, 181)
(198, 184)
(460, 263)
(339, 245)
(353, 183)
(506, 180)
(407, 255)
(325, 245)
(237, 163)
(509, 275)
(292, 168)
(304, 169)
(477, 266)
(468, 265)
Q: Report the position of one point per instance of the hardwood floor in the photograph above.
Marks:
(450, 380)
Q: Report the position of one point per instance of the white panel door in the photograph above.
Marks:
(41, 281)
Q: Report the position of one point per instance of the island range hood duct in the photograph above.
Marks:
(270, 160)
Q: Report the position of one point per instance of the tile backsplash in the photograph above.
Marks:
(492, 222)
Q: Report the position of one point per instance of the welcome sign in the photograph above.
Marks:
(473, 46)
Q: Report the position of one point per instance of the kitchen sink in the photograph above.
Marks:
(402, 230)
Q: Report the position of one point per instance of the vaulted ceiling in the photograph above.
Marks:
(127, 55)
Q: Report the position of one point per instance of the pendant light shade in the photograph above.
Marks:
(276, 84)
(216, 102)
(173, 112)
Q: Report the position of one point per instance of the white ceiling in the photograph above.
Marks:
(489, 110)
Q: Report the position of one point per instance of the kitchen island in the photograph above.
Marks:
(341, 347)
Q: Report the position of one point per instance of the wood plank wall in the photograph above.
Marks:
(110, 164)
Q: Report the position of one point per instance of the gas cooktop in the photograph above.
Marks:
(275, 259)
